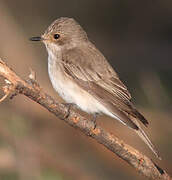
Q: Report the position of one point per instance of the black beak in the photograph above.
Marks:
(38, 38)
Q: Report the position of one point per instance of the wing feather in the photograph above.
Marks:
(99, 78)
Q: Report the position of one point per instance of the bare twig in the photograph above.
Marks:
(32, 90)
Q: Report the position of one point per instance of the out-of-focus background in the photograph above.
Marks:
(136, 37)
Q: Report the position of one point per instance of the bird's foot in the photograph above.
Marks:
(69, 106)
(94, 120)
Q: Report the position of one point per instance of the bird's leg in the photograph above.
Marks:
(94, 119)
(69, 106)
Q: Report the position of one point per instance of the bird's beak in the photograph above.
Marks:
(37, 38)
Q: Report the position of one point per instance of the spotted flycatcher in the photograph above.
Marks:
(82, 75)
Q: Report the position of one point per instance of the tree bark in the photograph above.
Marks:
(30, 88)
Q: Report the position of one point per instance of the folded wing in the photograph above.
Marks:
(99, 79)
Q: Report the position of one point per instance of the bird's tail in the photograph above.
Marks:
(145, 138)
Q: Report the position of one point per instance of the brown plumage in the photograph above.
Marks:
(81, 74)
(100, 80)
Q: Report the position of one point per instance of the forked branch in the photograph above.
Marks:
(30, 88)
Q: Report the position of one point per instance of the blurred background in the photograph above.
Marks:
(136, 37)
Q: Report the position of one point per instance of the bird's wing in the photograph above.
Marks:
(98, 78)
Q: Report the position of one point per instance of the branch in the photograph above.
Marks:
(30, 88)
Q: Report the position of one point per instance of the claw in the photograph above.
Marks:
(94, 120)
(69, 106)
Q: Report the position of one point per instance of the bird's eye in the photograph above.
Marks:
(56, 36)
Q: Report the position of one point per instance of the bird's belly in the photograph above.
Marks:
(72, 93)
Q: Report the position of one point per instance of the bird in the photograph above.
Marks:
(81, 75)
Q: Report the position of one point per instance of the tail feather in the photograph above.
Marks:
(141, 117)
(147, 141)
(145, 138)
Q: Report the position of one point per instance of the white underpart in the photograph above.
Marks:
(71, 92)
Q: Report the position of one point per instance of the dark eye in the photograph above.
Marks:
(56, 36)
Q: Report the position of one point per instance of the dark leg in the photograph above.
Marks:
(69, 106)
(94, 119)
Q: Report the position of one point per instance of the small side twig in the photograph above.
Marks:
(132, 156)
